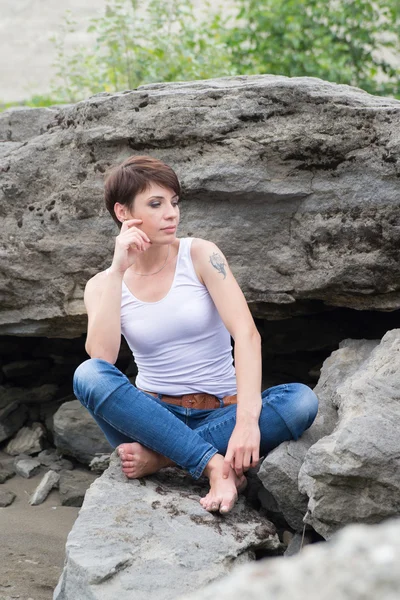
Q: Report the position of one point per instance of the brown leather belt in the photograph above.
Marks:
(198, 401)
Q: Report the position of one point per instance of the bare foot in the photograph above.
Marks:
(223, 492)
(138, 461)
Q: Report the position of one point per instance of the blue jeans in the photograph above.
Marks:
(189, 437)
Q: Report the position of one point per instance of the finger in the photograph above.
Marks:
(138, 233)
(130, 223)
(134, 238)
(227, 464)
(255, 457)
(238, 467)
(247, 460)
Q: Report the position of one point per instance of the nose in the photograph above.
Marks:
(171, 211)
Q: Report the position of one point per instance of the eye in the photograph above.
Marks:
(154, 204)
(175, 202)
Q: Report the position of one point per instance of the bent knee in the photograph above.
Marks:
(87, 373)
(305, 407)
(309, 401)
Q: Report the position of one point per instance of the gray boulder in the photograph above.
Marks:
(271, 167)
(352, 475)
(73, 486)
(48, 482)
(6, 498)
(77, 434)
(6, 472)
(280, 469)
(12, 414)
(29, 440)
(27, 467)
(151, 539)
(52, 459)
(360, 563)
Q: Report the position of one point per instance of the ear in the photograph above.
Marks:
(120, 211)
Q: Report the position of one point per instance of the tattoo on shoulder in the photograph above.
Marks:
(217, 262)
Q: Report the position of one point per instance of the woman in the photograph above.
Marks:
(177, 303)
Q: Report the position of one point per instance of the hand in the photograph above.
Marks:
(243, 449)
(128, 244)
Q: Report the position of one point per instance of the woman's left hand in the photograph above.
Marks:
(243, 449)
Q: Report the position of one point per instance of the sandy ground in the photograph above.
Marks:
(32, 542)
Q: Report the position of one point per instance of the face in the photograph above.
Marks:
(158, 208)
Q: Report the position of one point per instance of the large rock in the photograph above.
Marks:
(361, 563)
(296, 180)
(280, 470)
(151, 539)
(352, 475)
(77, 434)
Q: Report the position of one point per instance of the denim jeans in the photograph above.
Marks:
(189, 437)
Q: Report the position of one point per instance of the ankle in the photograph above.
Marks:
(214, 466)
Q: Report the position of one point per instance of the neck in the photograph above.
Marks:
(152, 259)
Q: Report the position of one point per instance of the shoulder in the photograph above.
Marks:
(203, 249)
(204, 252)
(95, 284)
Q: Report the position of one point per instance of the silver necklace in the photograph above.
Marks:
(155, 272)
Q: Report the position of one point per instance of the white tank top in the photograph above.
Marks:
(180, 344)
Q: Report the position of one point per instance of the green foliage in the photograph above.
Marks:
(134, 43)
(338, 40)
(160, 40)
(32, 102)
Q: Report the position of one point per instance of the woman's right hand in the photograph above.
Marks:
(130, 242)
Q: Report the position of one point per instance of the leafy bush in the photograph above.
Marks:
(162, 40)
(344, 41)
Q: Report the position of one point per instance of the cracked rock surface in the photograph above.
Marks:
(296, 179)
(352, 475)
(360, 563)
(151, 539)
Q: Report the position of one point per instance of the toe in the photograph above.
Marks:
(227, 505)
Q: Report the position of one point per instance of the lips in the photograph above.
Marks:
(169, 229)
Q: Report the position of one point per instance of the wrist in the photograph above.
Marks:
(116, 271)
(247, 418)
(248, 413)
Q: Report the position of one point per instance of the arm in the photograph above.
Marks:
(214, 272)
(103, 294)
(103, 306)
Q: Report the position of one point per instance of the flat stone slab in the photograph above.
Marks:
(48, 482)
(27, 467)
(151, 539)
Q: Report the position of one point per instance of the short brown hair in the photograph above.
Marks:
(134, 176)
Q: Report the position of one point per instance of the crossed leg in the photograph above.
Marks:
(124, 413)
